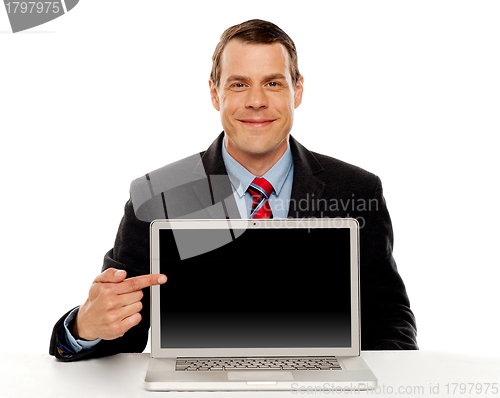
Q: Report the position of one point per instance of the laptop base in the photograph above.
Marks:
(354, 376)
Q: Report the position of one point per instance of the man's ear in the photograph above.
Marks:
(214, 95)
(298, 91)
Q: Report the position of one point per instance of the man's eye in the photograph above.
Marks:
(238, 85)
(273, 84)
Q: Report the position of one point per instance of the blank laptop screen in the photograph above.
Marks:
(258, 288)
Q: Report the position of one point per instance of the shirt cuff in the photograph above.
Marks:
(76, 344)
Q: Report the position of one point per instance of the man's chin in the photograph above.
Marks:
(261, 148)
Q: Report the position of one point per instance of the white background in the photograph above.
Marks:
(117, 88)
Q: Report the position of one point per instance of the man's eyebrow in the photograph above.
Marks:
(275, 76)
(233, 78)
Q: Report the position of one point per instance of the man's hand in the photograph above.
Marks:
(113, 305)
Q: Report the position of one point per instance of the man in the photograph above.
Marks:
(255, 84)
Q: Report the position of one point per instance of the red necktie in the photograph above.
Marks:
(260, 189)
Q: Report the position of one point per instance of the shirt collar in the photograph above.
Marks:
(241, 178)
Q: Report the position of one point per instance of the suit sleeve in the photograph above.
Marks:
(386, 318)
(130, 253)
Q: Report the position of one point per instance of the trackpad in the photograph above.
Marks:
(259, 375)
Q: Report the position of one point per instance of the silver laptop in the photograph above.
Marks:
(256, 305)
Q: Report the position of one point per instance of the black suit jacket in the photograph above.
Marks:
(198, 187)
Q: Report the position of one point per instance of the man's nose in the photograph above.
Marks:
(256, 98)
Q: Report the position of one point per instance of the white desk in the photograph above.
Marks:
(409, 373)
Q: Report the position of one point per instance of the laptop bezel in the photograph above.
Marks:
(158, 352)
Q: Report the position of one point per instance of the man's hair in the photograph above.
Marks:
(259, 32)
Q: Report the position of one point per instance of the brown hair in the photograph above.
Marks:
(255, 31)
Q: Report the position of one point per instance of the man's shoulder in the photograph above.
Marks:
(176, 174)
(331, 164)
(339, 175)
(179, 170)
(327, 167)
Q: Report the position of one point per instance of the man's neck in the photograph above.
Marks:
(259, 164)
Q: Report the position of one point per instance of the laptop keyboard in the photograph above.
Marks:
(224, 364)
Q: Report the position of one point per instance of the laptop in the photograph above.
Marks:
(256, 305)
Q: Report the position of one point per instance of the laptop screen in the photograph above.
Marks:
(255, 288)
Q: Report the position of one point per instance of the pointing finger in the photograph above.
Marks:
(140, 282)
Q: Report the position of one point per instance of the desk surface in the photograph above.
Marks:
(410, 373)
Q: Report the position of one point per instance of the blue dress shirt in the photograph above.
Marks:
(280, 176)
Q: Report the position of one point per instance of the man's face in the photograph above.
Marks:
(256, 99)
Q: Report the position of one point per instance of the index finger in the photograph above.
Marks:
(140, 282)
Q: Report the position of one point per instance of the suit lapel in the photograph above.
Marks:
(307, 189)
(214, 191)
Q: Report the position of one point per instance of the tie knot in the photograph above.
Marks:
(261, 187)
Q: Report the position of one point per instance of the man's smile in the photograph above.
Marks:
(256, 122)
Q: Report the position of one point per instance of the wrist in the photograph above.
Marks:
(78, 330)
(74, 329)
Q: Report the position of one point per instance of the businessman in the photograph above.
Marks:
(254, 169)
